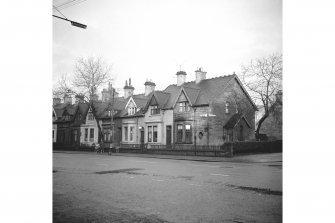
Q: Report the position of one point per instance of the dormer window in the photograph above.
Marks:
(67, 117)
(90, 116)
(154, 110)
(183, 106)
(131, 111)
(227, 108)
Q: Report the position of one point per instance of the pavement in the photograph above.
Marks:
(254, 158)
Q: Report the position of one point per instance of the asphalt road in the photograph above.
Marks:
(101, 188)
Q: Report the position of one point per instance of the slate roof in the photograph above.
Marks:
(140, 100)
(198, 94)
(234, 120)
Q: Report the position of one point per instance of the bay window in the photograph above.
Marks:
(149, 133)
(131, 133)
(184, 133)
(153, 133)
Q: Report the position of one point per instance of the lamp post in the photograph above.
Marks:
(77, 24)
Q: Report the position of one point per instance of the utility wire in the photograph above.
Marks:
(59, 11)
(70, 3)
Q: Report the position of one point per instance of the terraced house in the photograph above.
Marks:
(202, 112)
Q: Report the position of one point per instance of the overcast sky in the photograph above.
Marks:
(151, 39)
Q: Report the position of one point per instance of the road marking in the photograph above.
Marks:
(217, 174)
(202, 165)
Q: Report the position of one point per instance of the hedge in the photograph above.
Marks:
(251, 147)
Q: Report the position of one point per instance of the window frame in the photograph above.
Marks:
(154, 110)
(188, 133)
(125, 133)
(131, 133)
(155, 133)
(149, 133)
(91, 133)
(184, 106)
(180, 133)
(86, 135)
(184, 135)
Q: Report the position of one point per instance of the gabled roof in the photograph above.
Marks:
(140, 102)
(199, 94)
(160, 97)
(192, 94)
(234, 120)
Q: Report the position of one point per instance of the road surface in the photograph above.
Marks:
(101, 188)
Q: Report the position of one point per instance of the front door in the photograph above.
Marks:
(142, 139)
(168, 136)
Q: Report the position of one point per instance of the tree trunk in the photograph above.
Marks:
(97, 121)
(260, 122)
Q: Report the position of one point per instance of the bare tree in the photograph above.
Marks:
(90, 74)
(263, 78)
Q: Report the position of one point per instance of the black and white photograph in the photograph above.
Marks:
(167, 111)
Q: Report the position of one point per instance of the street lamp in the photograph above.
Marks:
(77, 24)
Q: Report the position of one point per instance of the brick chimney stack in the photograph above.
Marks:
(200, 75)
(149, 87)
(181, 77)
(128, 89)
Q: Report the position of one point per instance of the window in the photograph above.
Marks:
(179, 133)
(184, 106)
(184, 133)
(126, 133)
(131, 133)
(91, 135)
(227, 108)
(149, 133)
(90, 116)
(67, 117)
(155, 110)
(188, 134)
(155, 133)
(79, 117)
(131, 111)
(86, 134)
(106, 135)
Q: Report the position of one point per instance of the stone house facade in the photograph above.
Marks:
(201, 112)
